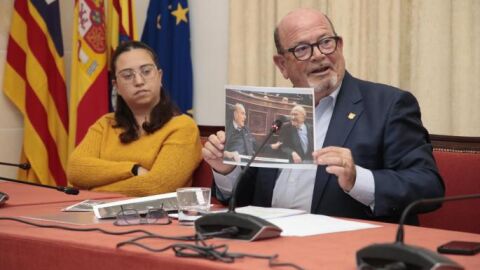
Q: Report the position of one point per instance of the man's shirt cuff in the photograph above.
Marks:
(364, 188)
(225, 183)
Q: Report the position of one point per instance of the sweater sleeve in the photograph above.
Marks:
(86, 169)
(179, 156)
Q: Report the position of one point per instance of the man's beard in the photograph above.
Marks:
(327, 86)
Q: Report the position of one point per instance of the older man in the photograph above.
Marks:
(376, 156)
(239, 139)
(296, 137)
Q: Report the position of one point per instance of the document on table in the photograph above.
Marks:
(296, 222)
(309, 224)
(268, 212)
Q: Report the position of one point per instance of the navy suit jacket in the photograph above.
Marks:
(291, 142)
(241, 141)
(382, 127)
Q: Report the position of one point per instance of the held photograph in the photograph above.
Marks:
(250, 113)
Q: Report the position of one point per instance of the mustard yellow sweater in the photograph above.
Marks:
(102, 163)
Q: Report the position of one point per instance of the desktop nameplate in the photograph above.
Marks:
(109, 210)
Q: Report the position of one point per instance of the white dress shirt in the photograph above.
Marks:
(303, 135)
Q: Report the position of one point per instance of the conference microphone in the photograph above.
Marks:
(249, 227)
(23, 166)
(67, 190)
(400, 256)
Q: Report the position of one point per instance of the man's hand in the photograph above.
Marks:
(296, 158)
(339, 161)
(276, 146)
(232, 155)
(212, 152)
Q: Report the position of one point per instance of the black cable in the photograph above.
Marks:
(196, 237)
(201, 250)
(198, 250)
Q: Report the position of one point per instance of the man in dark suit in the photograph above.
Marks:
(375, 156)
(239, 140)
(296, 137)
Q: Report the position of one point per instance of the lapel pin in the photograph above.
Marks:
(351, 115)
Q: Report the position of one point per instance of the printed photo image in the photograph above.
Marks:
(250, 114)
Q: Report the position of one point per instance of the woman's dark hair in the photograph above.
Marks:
(160, 114)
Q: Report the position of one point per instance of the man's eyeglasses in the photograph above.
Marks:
(155, 216)
(304, 51)
(146, 71)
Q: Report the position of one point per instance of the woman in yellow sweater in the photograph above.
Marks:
(146, 147)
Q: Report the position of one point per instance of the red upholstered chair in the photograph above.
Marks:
(458, 160)
(202, 176)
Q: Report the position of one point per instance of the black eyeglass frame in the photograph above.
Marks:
(316, 44)
(141, 219)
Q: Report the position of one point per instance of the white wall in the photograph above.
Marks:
(209, 26)
(209, 39)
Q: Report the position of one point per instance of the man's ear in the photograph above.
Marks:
(281, 63)
(340, 44)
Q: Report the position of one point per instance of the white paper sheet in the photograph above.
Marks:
(309, 224)
(268, 212)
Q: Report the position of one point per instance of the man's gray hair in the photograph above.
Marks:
(299, 108)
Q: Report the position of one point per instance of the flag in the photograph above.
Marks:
(167, 31)
(89, 80)
(34, 81)
(121, 23)
(121, 26)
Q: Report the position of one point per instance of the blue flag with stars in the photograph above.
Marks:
(167, 31)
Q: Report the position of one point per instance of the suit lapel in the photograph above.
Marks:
(348, 108)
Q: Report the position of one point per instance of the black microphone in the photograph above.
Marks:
(23, 166)
(249, 227)
(67, 190)
(399, 256)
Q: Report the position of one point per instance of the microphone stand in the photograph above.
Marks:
(249, 227)
(232, 204)
(400, 231)
(23, 166)
(67, 190)
(404, 256)
(27, 166)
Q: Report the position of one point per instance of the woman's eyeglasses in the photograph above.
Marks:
(147, 72)
(153, 216)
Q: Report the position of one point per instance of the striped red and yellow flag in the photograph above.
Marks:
(89, 80)
(34, 81)
(121, 22)
(121, 26)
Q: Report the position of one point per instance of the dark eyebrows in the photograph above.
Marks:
(142, 66)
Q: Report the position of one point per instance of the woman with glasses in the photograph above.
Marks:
(146, 146)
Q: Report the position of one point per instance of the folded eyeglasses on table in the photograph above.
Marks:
(153, 216)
